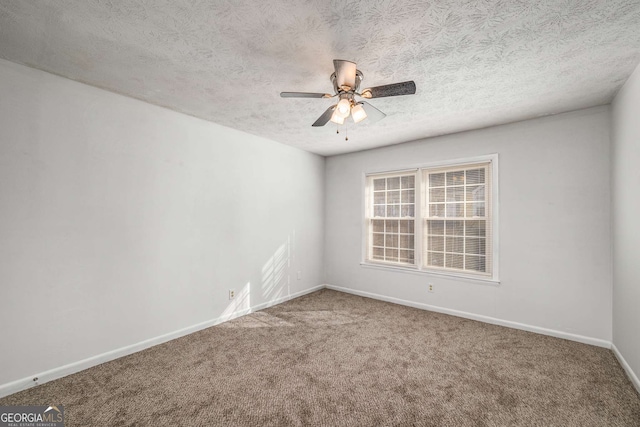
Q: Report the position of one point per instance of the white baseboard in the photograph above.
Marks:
(632, 375)
(478, 317)
(50, 375)
(282, 299)
(72, 368)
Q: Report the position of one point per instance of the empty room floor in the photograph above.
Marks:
(330, 358)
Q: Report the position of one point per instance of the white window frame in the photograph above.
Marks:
(419, 221)
(403, 173)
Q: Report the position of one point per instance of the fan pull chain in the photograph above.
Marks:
(346, 131)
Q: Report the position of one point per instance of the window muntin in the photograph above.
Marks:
(454, 230)
(391, 219)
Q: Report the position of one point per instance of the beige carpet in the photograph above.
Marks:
(333, 359)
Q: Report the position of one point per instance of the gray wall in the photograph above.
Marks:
(121, 221)
(625, 179)
(555, 260)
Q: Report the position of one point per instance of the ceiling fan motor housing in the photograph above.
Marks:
(343, 89)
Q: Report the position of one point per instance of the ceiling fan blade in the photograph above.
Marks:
(304, 95)
(325, 117)
(373, 114)
(345, 73)
(395, 89)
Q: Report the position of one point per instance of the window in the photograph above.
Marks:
(436, 219)
(392, 225)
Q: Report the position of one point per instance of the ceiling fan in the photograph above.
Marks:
(346, 82)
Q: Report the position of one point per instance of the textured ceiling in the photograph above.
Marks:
(476, 63)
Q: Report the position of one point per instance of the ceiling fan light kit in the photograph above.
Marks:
(346, 82)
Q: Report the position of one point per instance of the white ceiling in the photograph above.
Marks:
(476, 63)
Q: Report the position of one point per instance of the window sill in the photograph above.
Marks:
(445, 275)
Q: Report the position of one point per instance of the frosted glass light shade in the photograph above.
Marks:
(343, 108)
(358, 113)
(336, 118)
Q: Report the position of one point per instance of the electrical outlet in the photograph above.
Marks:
(299, 275)
(232, 294)
(431, 288)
